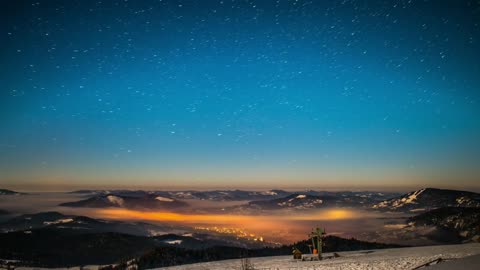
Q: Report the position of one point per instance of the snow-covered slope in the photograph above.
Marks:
(430, 198)
(399, 258)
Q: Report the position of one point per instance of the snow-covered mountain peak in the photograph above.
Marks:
(270, 193)
(115, 200)
(163, 199)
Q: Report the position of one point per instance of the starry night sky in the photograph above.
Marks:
(240, 93)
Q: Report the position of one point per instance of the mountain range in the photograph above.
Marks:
(141, 200)
(254, 200)
(294, 201)
(307, 200)
(413, 202)
(211, 195)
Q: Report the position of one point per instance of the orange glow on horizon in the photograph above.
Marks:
(115, 213)
(278, 226)
(326, 214)
(252, 222)
(330, 214)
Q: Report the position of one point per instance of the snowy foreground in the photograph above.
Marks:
(399, 258)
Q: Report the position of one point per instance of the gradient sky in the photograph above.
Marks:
(328, 94)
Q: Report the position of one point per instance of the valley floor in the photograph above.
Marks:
(399, 258)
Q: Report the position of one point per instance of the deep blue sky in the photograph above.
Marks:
(330, 94)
